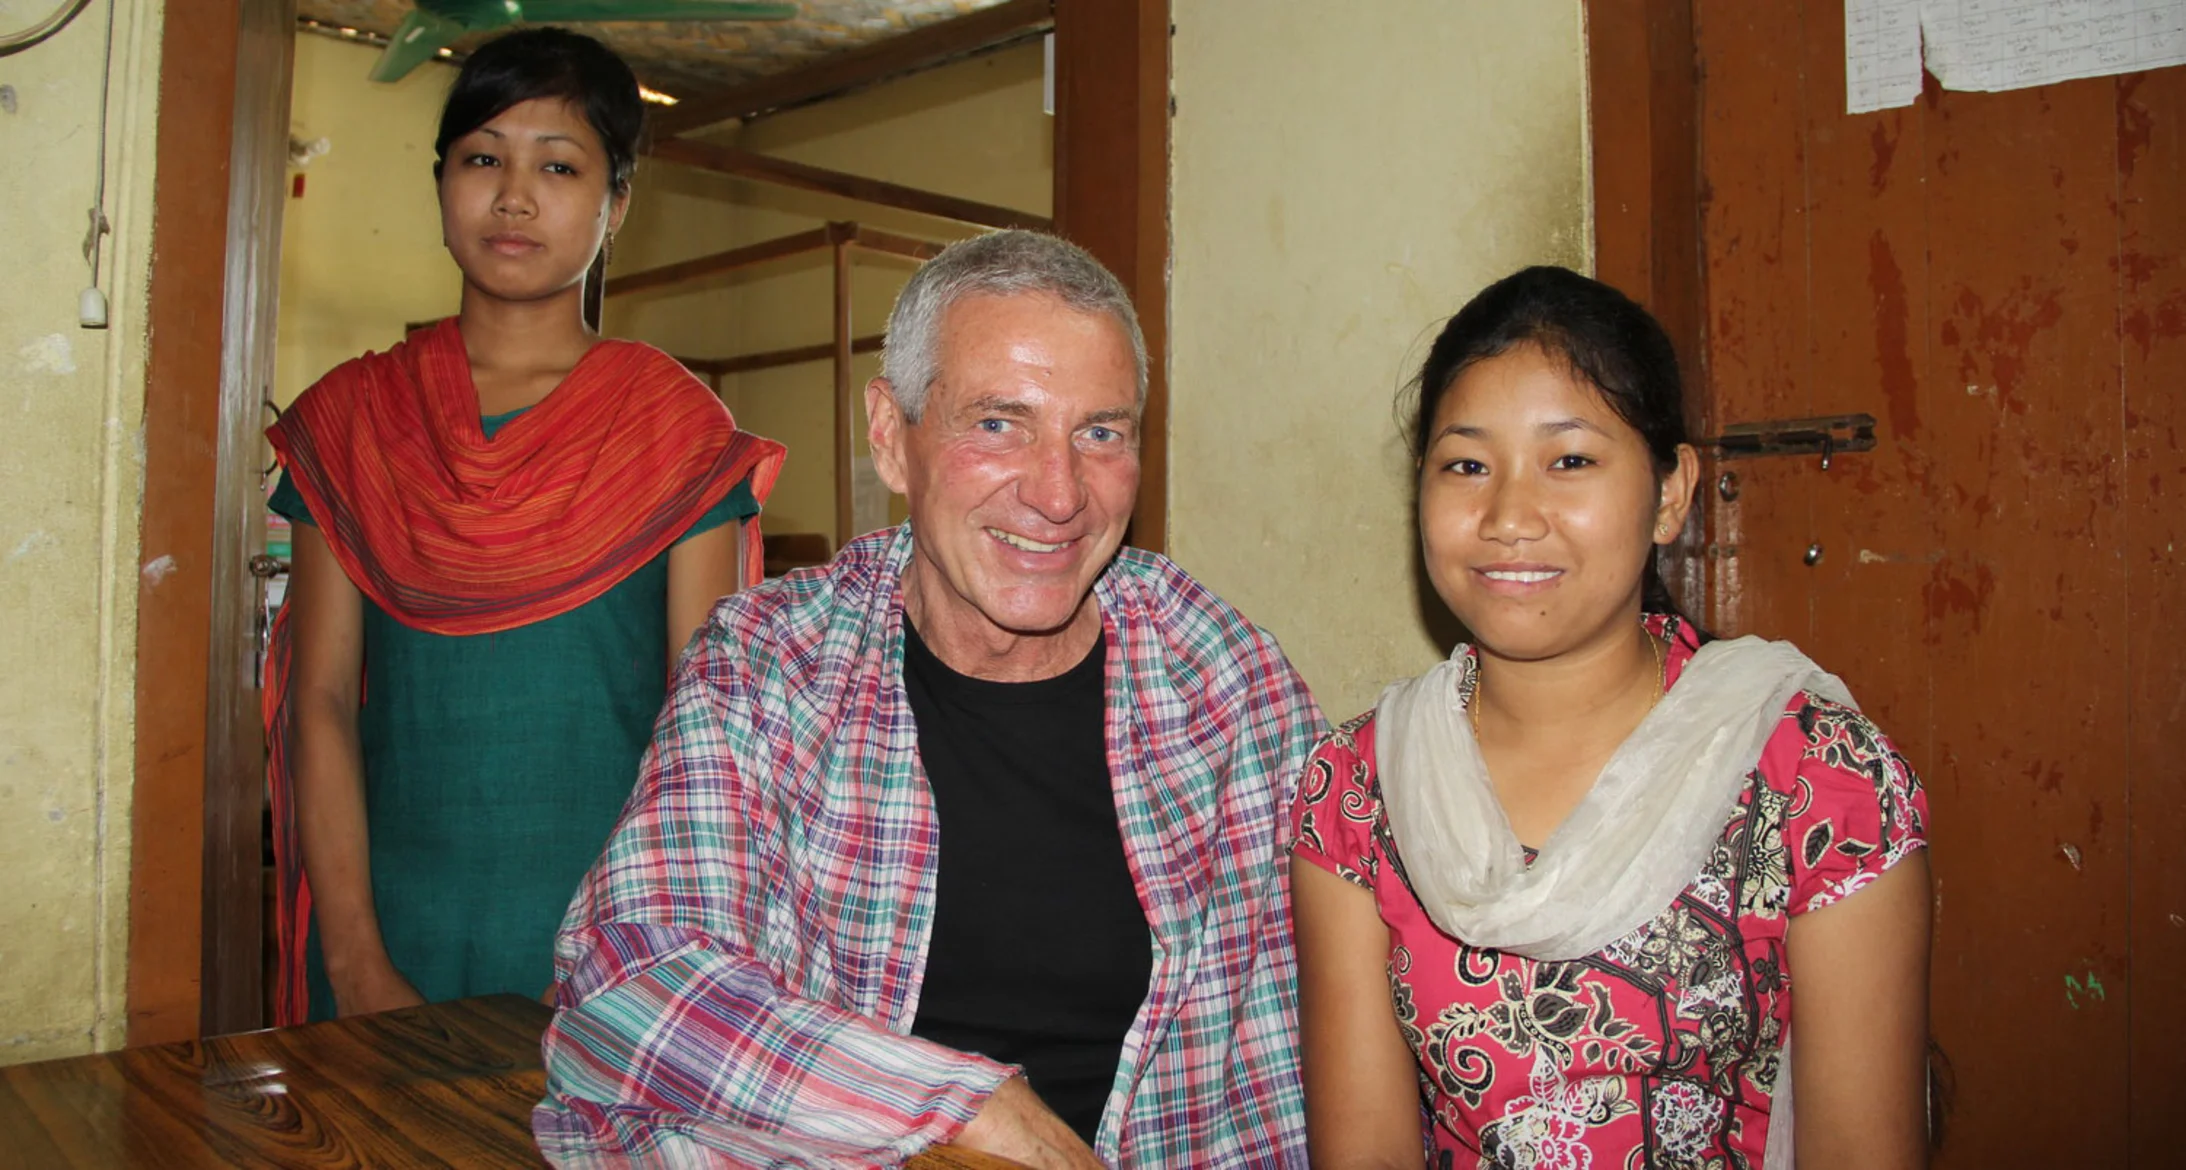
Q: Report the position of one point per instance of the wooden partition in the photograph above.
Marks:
(1999, 280)
(842, 240)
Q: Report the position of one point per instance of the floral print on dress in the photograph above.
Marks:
(1663, 1048)
(1545, 1128)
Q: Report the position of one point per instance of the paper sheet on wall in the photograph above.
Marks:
(1989, 45)
(1881, 54)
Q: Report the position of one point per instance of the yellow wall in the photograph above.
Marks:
(1345, 176)
(360, 251)
(972, 129)
(71, 482)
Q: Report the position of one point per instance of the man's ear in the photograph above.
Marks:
(884, 426)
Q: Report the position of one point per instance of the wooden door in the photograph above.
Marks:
(2000, 280)
(1112, 192)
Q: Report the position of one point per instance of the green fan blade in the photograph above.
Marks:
(476, 14)
(553, 11)
(420, 35)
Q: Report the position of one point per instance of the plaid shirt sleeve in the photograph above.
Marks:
(1226, 723)
(678, 1043)
(1254, 959)
(1283, 728)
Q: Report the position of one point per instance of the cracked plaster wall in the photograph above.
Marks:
(71, 480)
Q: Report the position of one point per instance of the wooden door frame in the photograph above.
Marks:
(235, 748)
(195, 873)
(1112, 192)
(181, 393)
(1643, 105)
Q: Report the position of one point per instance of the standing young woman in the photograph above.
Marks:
(507, 530)
(1622, 885)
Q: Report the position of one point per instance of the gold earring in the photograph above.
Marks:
(607, 251)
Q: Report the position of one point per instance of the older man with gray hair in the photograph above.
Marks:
(971, 836)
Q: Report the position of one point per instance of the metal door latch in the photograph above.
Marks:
(1826, 437)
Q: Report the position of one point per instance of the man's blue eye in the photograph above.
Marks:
(992, 426)
(1100, 434)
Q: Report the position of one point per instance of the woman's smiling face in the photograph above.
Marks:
(525, 200)
(1539, 507)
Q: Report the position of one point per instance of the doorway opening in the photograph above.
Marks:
(772, 225)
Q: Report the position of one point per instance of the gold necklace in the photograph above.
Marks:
(1662, 683)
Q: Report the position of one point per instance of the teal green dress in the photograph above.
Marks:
(494, 765)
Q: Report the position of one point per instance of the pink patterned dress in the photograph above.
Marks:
(1662, 1049)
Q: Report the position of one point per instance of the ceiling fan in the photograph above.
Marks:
(435, 24)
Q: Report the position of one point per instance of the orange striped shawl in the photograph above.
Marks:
(457, 535)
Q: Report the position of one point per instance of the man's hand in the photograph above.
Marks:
(1017, 1125)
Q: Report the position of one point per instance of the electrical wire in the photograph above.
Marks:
(92, 310)
(17, 41)
(99, 225)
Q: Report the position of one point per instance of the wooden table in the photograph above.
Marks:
(449, 1084)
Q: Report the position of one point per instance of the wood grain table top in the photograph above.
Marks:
(447, 1084)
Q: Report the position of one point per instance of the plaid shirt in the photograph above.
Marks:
(740, 970)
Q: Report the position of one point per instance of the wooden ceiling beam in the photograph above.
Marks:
(718, 263)
(875, 240)
(762, 168)
(921, 48)
(795, 355)
(735, 259)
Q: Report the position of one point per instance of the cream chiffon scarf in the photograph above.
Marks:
(1640, 836)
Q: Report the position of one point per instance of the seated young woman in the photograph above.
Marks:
(1600, 890)
(507, 529)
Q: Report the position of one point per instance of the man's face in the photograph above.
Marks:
(1020, 474)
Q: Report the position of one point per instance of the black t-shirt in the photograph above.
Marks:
(1040, 954)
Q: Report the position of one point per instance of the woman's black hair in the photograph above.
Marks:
(1600, 333)
(548, 63)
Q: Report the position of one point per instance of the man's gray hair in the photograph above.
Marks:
(1005, 263)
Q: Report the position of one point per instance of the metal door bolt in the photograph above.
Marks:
(1726, 486)
(1813, 553)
